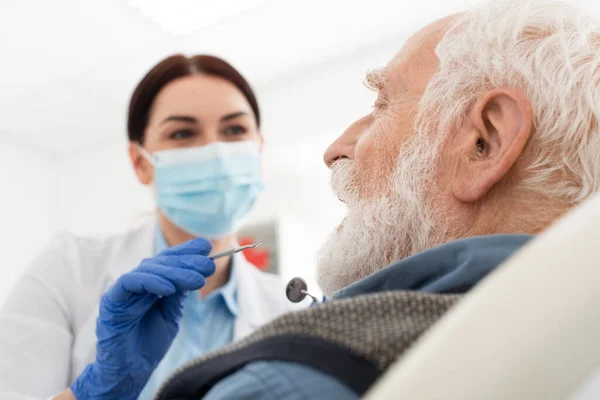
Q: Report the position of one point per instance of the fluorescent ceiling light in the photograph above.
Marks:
(182, 17)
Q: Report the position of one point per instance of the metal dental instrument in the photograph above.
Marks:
(296, 291)
(233, 251)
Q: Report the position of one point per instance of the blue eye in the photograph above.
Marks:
(181, 134)
(235, 130)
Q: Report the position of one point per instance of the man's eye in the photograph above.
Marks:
(378, 107)
(380, 104)
(181, 134)
(235, 130)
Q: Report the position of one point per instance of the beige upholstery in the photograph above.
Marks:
(529, 331)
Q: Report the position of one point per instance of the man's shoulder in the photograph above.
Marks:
(279, 380)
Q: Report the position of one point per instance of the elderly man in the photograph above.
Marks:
(484, 132)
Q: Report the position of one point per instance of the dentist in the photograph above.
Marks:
(194, 132)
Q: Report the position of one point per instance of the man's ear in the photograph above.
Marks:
(142, 168)
(494, 136)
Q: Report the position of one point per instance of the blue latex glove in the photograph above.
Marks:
(139, 318)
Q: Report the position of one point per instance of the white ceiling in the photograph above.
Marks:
(69, 66)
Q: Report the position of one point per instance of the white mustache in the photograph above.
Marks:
(343, 181)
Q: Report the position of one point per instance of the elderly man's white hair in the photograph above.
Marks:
(550, 51)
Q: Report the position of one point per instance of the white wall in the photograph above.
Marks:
(27, 208)
(98, 191)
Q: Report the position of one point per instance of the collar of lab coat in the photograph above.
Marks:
(453, 267)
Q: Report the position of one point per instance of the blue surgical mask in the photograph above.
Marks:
(207, 191)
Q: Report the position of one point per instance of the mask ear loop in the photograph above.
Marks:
(144, 153)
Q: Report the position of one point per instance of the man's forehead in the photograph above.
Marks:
(416, 62)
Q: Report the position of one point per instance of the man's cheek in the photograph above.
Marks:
(371, 178)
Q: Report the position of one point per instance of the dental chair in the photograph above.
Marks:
(530, 331)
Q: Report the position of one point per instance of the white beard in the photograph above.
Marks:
(378, 232)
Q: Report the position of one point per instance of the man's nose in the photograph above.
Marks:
(343, 147)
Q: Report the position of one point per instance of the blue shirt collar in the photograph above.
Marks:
(453, 267)
(228, 291)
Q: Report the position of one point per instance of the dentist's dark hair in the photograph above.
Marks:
(170, 69)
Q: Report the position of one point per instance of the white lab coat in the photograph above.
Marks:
(47, 324)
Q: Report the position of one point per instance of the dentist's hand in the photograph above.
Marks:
(139, 318)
